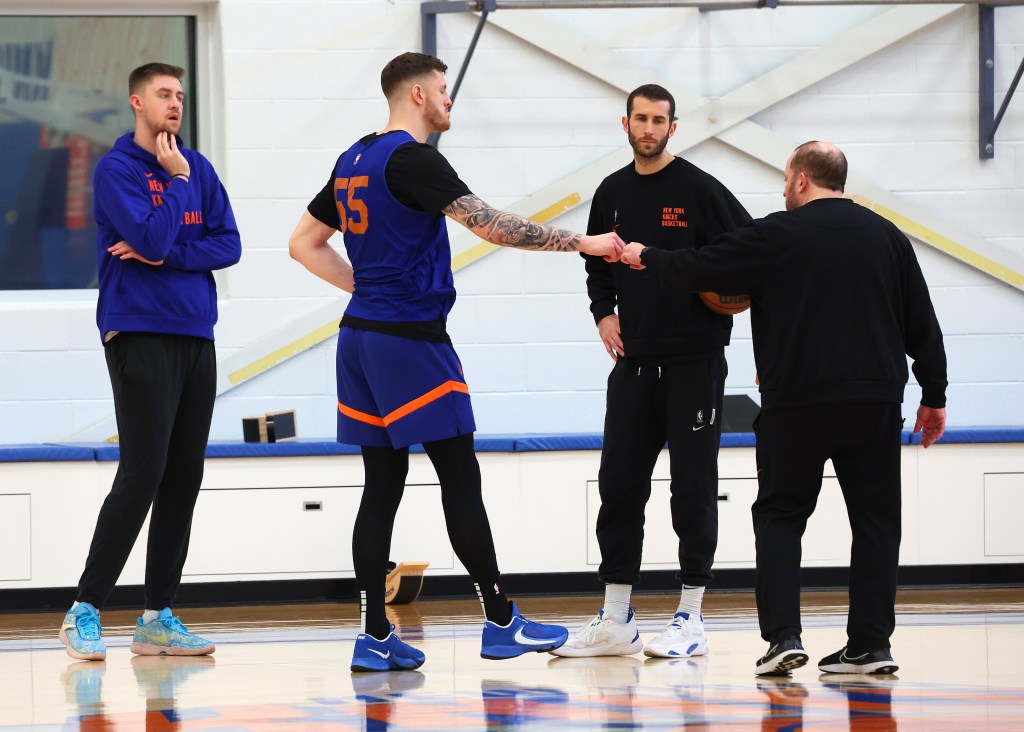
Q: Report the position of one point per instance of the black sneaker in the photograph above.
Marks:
(781, 658)
(872, 662)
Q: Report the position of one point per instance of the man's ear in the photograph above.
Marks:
(625, 124)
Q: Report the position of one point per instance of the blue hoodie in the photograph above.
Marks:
(189, 226)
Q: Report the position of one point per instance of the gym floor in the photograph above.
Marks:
(285, 667)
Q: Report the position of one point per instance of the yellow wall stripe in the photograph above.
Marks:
(322, 333)
(285, 352)
(945, 244)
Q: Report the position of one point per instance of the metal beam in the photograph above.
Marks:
(435, 137)
(987, 122)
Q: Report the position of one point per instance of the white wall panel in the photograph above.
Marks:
(1004, 505)
(959, 507)
(300, 82)
(16, 536)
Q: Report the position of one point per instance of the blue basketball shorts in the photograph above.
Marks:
(395, 392)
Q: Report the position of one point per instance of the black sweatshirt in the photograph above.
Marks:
(679, 207)
(837, 303)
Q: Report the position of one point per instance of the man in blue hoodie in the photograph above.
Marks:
(164, 224)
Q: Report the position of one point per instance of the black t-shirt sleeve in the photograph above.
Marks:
(421, 178)
(417, 175)
(324, 207)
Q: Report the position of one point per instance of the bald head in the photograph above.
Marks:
(814, 170)
(824, 164)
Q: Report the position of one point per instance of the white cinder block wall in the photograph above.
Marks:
(289, 85)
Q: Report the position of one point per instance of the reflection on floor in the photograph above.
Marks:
(287, 669)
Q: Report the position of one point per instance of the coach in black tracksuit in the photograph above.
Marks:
(670, 368)
(837, 303)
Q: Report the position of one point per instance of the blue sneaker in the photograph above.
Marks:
(81, 631)
(166, 636)
(390, 654)
(520, 636)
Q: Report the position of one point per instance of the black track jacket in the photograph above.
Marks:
(837, 303)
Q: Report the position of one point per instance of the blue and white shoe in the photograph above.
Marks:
(390, 654)
(81, 632)
(520, 636)
(167, 636)
(602, 636)
(683, 637)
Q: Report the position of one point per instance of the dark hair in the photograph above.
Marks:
(408, 66)
(142, 75)
(654, 93)
(823, 163)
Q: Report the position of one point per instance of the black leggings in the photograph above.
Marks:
(465, 516)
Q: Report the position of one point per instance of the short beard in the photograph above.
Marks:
(439, 121)
(634, 143)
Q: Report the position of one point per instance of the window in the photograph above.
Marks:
(63, 103)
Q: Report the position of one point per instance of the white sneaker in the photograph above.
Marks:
(602, 636)
(683, 637)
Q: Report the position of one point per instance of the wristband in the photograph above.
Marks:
(180, 175)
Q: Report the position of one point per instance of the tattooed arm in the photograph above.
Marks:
(511, 230)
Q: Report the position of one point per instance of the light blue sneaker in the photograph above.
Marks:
(81, 632)
(390, 654)
(166, 636)
(520, 636)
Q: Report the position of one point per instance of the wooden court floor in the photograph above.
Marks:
(283, 668)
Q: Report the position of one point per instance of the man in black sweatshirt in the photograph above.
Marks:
(837, 303)
(667, 383)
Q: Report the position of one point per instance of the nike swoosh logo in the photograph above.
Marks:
(699, 427)
(382, 655)
(844, 657)
(160, 638)
(149, 175)
(520, 638)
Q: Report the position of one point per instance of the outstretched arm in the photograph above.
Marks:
(511, 230)
(308, 245)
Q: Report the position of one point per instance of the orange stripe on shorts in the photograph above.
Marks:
(431, 396)
(360, 416)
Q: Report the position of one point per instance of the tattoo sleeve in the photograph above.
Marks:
(508, 229)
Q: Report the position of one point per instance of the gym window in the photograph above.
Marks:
(63, 103)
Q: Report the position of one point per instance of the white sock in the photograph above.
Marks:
(616, 602)
(690, 599)
(150, 615)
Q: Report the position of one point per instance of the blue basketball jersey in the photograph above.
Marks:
(401, 257)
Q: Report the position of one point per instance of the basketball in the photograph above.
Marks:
(725, 304)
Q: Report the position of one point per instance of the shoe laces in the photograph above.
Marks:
(678, 627)
(588, 633)
(173, 623)
(88, 626)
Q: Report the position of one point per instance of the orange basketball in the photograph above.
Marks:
(725, 304)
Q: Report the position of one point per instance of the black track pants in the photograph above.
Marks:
(647, 406)
(863, 441)
(164, 389)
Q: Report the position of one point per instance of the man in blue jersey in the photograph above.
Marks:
(399, 379)
(164, 224)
